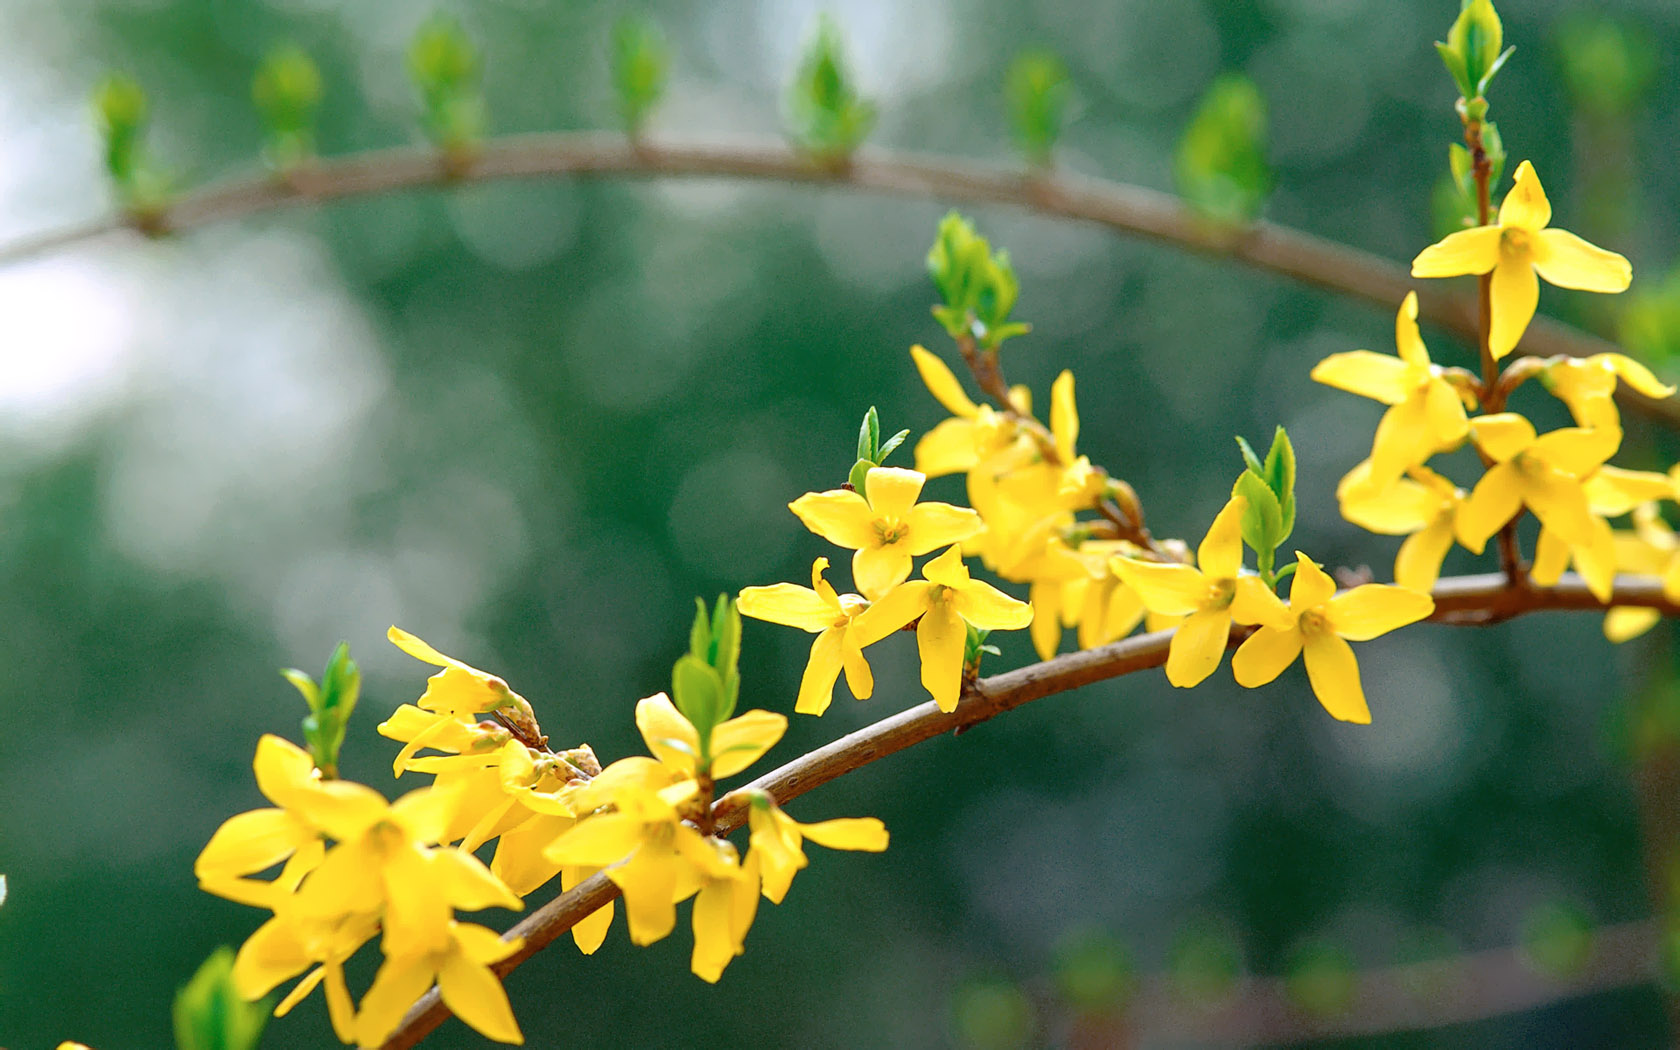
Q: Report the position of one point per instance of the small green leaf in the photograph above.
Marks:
(120, 104)
(891, 444)
(1249, 458)
(1321, 980)
(829, 119)
(697, 692)
(1558, 939)
(1262, 520)
(1454, 61)
(859, 475)
(210, 1014)
(445, 66)
(640, 61)
(869, 436)
(287, 91)
(1038, 94)
(1221, 167)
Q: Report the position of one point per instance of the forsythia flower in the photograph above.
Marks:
(946, 599)
(1514, 249)
(1650, 549)
(1210, 597)
(977, 434)
(460, 963)
(1423, 508)
(777, 840)
(830, 616)
(735, 744)
(1427, 415)
(1588, 385)
(1544, 472)
(885, 525)
(1317, 625)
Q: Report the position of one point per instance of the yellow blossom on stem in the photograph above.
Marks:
(1423, 508)
(1209, 597)
(459, 689)
(1514, 249)
(1427, 413)
(975, 435)
(1317, 625)
(461, 967)
(777, 841)
(735, 744)
(1650, 548)
(884, 525)
(830, 616)
(724, 909)
(1543, 472)
(1588, 385)
(947, 599)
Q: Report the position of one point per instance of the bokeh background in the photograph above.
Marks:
(530, 422)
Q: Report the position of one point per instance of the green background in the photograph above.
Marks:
(529, 422)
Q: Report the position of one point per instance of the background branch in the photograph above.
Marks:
(1118, 206)
(1458, 600)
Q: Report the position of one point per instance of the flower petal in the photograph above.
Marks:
(1502, 435)
(1401, 508)
(934, 525)
(1255, 603)
(1220, 555)
(743, 740)
(942, 383)
(1418, 564)
(1577, 451)
(1525, 206)
(877, 570)
(990, 609)
(940, 639)
(1064, 416)
(892, 491)
(669, 736)
(854, 833)
(591, 930)
(1638, 376)
(1172, 590)
(890, 612)
(1466, 251)
(1495, 500)
(395, 987)
(838, 516)
(1560, 504)
(816, 686)
(1515, 294)
(1264, 656)
(1376, 376)
(1334, 674)
(1408, 342)
(788, 604)
(1570, 262)
(1624, 622)
(1373, 609)
(1197, 647)
(949, 448)
(1311, 587)
(478, 998)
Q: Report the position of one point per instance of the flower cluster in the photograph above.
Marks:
(353, 866)
(1562, 477)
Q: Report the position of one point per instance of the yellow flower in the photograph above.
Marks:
(1610, 492)
(461, 968)
(1318, 625)
(1588, 385)
(1514, 249)
(1210, 597)
(459, 689)
(724, 909)
(945, 599)
(1544, 472)
(1651, 548)
(830, 616)
(418, 729)
(977, 434)
(1427, 414)
(885, 525)
(777, 841)
(1424, 510)
(735, 744)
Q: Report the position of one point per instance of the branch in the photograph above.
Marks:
(1120, 207)
(1458, 600)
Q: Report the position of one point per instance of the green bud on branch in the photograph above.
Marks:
(640, 62)
(1221, 167)
(1038, 93)
(287, 91)
(828, 118)
(1472, 52)
(446, 69)
(706, 680)
(979, 286)
(330, 706)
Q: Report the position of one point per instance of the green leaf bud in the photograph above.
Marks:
(1221, 168)
(1037, 91)
(444, 63)
(828, 118)
(287, 91)
(209, 1013)
(640, 64)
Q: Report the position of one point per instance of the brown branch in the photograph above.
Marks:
(1458, 600)
(1118, 206)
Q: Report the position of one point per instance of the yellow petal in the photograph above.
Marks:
(250, 842)
(271, 954)
(934, 525)
(1256, 604)
(947, 570)
(1570, 262)
(714, 944)
(1625, 622)
(1407, 340)
(1446, 413)
(1637, 375)
(890, 612)
(788, 604)
(1467, 251)
(284, 770)
(669, 736)
(942, 383)
(1495, 500)
(1197, 647)
(1404, 438)
(466, 883)
(1335, 677)
(892, 491)
(1264, 656)
(1046, 600)
(1402, 507)
(1516, 292)
(743, 740)
(1173, 590)
(1311, 586)
(649, 882)
(1502, 435)
(1418, 564)
(1376, 376)
(1221, 552)
(838, 516)
(816, 687)
(1577, 451)
(1064, 416)
(591, 930)
(1374, 609)
(416, 648)
(940, 639)
(854, 833)
(859, 679)
(597, 841)
(1596, 562)
(949, 448)
(1526, 206)
(395, 987)
(1559, 503)
(990, 609)
(877, 570)
(476, 996)
(1612, 491)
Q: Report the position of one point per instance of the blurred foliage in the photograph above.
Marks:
(573, 406)
(1221, 169)
(1038, 94)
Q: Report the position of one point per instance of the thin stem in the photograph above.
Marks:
(1479, 599)
(1118, 206)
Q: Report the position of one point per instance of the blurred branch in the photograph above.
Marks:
(1118, 206)
(1478, 599)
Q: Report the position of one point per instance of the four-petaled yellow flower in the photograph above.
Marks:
(735, 744)
(1515, 249)
(1210, 597)
(777, 841)
(1423, 508)
(885, 525)
(460, 963)
(1544, 472)
(1427, 414)
(1588, 385)
(830, 616)
(1317, 625)
(946, 599)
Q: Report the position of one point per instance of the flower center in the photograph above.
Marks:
(1312, 622)
(1514, 241)
(1220, 594)
(891, 530)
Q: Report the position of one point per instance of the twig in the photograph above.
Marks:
(1458, 600)
(1118, 206)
